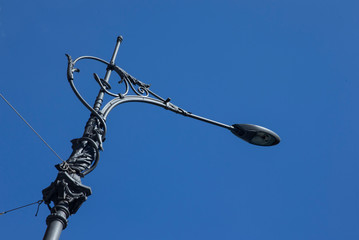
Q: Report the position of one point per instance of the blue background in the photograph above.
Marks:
(291, 66)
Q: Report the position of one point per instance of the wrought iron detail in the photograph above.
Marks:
(140, 91)
(66, 190)
(138, 88)
(85, 150)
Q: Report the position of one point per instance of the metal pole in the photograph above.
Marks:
(56, 223)
(66, 191)
(54, 230)
(101, 94)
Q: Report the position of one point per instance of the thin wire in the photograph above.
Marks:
(31, 127)
(37, 202)
(38, 207)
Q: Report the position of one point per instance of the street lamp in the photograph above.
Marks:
(67, 192)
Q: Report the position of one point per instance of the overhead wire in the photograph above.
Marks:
(14, 209)
(28, 124)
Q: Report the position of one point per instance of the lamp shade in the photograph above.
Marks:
(255, 134)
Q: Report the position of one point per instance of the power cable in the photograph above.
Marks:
(14, 209)
(30, 127)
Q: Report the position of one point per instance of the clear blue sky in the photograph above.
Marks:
(291, 66)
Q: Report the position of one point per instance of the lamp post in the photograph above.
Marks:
(67, 193)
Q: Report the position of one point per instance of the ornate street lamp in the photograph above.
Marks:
(67, 192)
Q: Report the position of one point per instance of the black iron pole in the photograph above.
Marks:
(66, 192)
(57, 222)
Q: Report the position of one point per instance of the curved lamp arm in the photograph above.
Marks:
(253, 134)
(250, 133)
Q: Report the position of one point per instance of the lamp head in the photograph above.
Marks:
(256, 135)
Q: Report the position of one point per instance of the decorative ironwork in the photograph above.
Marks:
(139, 89)
(66, 188)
